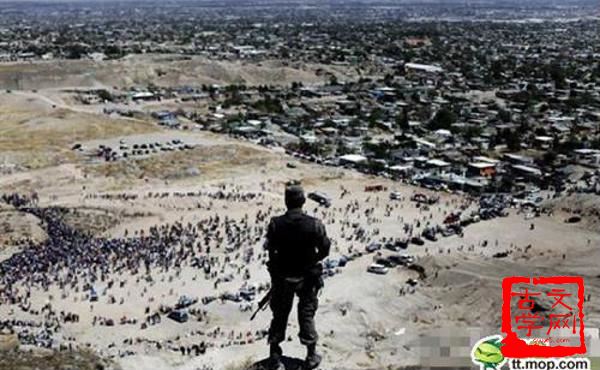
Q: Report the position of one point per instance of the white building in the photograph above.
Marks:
(423, 68)
(354, 159)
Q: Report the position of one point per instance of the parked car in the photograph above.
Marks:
(373, 246)
(93, 295)
(321, 198)
(429, 234)
(392, 247)
(395, 195)
(234, 297)
(402, 243)
(448, 231)
(377, 269)
(412, 282)
(452, 218)
(178, 315)
(573, 220)
(500, 255)
(331, 263)
(185, 301)
(386, 261)
(401, 259)
(417, 241)
(207, 300)
(422, 198)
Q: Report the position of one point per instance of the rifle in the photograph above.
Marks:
(262, 304)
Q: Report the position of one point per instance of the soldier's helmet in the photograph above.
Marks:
(294, 195)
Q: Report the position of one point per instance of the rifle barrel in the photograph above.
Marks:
(262, 305)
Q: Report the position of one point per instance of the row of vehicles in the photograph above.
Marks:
(179, 313)
(394, 245)
(332, 266)
(382, 265)
(325, 200)
(425, 199)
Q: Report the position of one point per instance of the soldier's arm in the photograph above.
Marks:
(323, 242)
(269, 246)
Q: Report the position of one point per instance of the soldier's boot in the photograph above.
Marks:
(275, 354)
(313, 359)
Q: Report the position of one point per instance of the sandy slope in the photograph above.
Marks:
(161, 70)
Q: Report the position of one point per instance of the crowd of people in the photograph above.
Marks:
(221, 194)
(76, 262)
(218, 247)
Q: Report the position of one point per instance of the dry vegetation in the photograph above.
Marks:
(162, 70)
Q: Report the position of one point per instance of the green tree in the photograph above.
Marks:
(376, 114)
(268, 105)
(557, 74)
(510, 138)
(443, 119)
(504, 115)
(112, 51)
(104, 95)
(548, 158)
(402, 120)
(472, 131)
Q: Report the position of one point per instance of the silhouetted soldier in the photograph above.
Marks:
(296, 244)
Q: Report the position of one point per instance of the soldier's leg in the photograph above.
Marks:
(282, 297)
(307, 308)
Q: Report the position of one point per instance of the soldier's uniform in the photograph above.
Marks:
(296, 243)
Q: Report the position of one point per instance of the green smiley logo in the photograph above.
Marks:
(487, 353)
